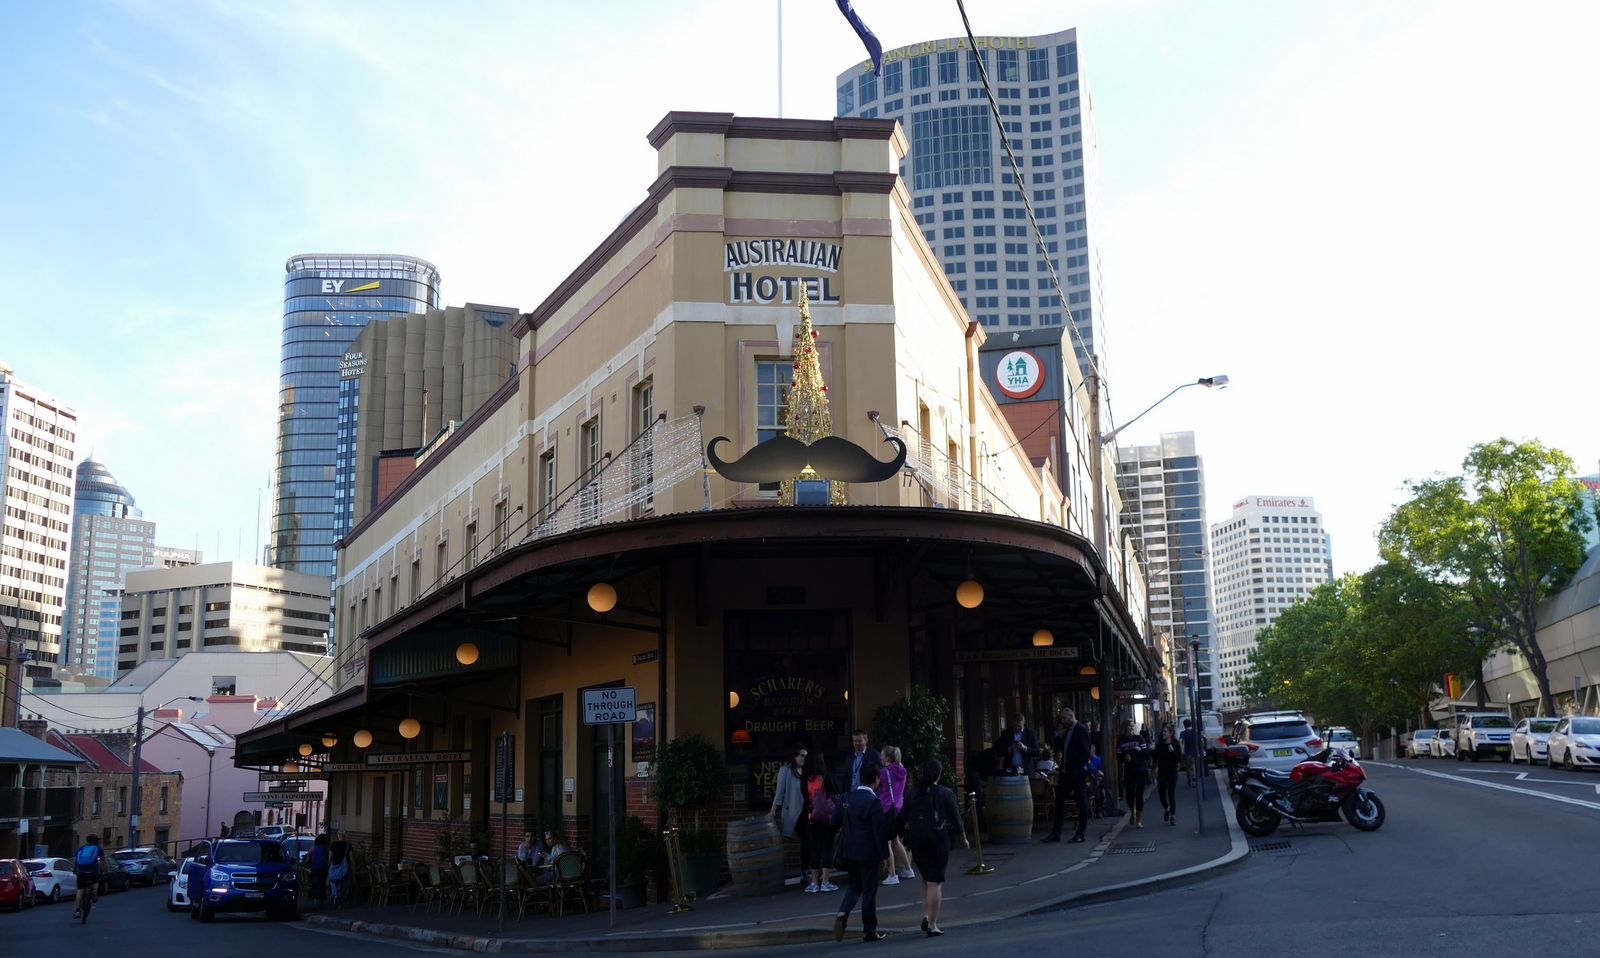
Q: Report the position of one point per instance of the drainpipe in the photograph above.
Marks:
(972, 397)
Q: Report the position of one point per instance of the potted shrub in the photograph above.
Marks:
(640, 853)
(689, 774)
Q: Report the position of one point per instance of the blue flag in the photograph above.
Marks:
(868, 38)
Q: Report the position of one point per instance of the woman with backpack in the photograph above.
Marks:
(892, 792)
(929, 821)
(318, 863)
(789, 799)
(822, 792)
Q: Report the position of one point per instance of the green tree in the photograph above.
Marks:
(914, 725)
(1412, 631)
(1502, 536)
(689, 774)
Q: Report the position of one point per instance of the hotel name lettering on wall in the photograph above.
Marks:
(757, 268)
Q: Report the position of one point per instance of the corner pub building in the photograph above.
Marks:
(568, 534)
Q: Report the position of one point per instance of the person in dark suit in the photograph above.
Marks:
(1018, 746)
(1070, 740)
(864, 847)
(860, 756)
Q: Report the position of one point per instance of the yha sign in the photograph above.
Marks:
(1019, 374)
(756, 271)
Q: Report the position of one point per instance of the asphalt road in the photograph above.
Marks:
(1472, 861)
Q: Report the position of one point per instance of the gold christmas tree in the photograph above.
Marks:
(808, 402)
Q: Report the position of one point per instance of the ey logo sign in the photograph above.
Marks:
(1020, 374)
(337, 286)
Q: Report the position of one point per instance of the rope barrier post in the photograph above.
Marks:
(977, 842)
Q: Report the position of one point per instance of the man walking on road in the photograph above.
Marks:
(1070, 740)
(865, 846)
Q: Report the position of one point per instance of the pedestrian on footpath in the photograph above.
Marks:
(1168, 756)
(892, 793)
(789, 800)
(860, 754)
(1134, 756)
(824, 797)
(318, 862)
(864, 847)
(930, 820)
(1070, 740)
(339, 866)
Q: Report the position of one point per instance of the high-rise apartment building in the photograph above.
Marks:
(1164, 515)
(402, 383)
(221, 606)
(38, 440)
(327, 300)
(967, 200)
(109, 537)
(1268, 555)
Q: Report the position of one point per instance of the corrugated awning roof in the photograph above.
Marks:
(18, 746)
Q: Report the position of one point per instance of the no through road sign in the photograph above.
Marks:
(606, 706)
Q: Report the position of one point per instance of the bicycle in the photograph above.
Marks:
(88, 903)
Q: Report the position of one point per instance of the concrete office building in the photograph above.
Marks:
(327, 299)
(167, 613)
(38, 437)
(109, 537)
(1164, 515)
(405, 382)
(1268, 555)
(967, 203)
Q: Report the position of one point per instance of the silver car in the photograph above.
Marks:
(1575, 743)
(145, 866)
(1276, 740)
(1421, 740)
(1530, 742)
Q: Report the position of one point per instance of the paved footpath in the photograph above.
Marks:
(1117, 861)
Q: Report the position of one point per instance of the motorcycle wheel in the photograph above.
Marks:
(1365, 813)
(1256, 819)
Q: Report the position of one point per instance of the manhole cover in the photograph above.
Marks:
(1130, 848)
(1274, 848)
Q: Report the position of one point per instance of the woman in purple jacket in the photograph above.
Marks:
(892, 792)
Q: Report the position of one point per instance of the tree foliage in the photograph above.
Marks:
(1505, 534)
(915, 725)
(689, 774)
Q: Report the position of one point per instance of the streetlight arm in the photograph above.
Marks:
(1209, 382)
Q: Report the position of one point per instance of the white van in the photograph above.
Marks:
(1215, 737)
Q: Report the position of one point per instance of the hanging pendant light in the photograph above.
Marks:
(733, 700)
(290, 768)
(362, 738)
(410, 728)
(1043, 638)
(602, 597)
(969, 594)
(306, 749)
(466, 653)
(330, 740)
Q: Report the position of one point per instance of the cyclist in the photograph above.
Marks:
(86, 864)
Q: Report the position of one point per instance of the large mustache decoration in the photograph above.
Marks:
(783, 457)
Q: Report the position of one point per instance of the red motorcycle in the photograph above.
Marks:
(1318, 789)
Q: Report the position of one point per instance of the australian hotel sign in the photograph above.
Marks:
(769, 272)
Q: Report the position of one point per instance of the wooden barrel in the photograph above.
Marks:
(755, 856)
(1008, 804)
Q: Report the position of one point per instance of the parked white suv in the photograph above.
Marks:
(1276, 740)
(1479, 735)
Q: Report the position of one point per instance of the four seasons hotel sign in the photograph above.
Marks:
(768, 272)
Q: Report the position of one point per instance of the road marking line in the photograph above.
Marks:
(1504, 788)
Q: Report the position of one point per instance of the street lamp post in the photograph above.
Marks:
(1199, 735)
(18, 653)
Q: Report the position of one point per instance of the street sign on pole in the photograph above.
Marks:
(609, 706)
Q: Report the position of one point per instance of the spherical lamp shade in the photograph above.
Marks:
(410, 728)
(733, 700)
(1094, 693)
(330, 740)
(362, 738)
(1087, 670)
(306, 749)
(602, 597)
(1043, 638)
(969, 594)
(290, 767)
(466, 653)
(741, 737)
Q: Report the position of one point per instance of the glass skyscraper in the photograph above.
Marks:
(965, 196)
(327, 299)
(109, 537)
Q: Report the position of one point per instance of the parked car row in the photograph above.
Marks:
(55, 878)
(16, 886)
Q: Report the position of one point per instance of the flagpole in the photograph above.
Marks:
(780, 59)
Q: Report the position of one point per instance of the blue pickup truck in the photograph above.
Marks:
(243, 875)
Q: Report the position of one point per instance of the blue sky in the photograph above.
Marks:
(1376, 217)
